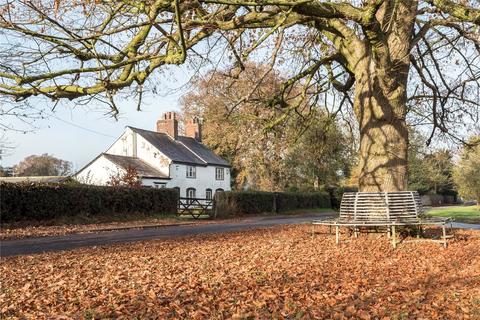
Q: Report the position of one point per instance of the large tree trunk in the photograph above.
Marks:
(381, 75)
(383, 132)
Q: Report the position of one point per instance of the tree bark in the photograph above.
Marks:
(383, 133)
(381, 74)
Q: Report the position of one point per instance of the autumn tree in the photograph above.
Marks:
(323, 156)
(387, 62)
(430, 170)
(267, 152)
(466, 173)
(42, 165)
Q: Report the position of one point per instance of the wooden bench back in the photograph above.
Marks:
(380, 206)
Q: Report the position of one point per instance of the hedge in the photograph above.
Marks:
(232, 203)
(44, 202)
(336, 194)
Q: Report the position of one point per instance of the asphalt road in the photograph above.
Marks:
(72, 241)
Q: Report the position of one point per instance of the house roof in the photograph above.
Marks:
(202, 151)
(144, 169)
(183, 150)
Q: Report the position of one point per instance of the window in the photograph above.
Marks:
(160, 185)
(219, 173)
(178, 190)
(219, 190)
(208, 194)
(191, 192)
(191, 172)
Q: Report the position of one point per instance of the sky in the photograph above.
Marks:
(80, 134)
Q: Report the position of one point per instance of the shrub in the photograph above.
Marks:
(299, 200)
(237, 202)
(232, 203)
(44, 202)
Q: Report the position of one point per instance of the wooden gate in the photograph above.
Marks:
(195, 207)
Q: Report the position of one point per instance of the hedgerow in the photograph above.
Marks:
(44, 202)
(232, 203)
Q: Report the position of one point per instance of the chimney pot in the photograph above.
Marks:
(168, 124)
(193, 129)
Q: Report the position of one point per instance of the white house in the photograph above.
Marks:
(163, 159)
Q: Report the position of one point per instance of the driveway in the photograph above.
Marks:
(72, 241)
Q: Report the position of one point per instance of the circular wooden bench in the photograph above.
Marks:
(383, 209)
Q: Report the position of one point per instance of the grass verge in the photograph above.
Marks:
(470, 214)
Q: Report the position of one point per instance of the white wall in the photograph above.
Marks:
(125, 146)
(151, 155)
(205, 178)
(98, 172)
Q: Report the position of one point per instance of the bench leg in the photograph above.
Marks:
(394, 237)
(355, 232)
(337, 235)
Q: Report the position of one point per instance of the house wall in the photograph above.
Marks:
(151, 155)
(99, 172)
(205, 179)
(131, 144)
(124, 146)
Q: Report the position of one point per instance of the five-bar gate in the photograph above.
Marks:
(195, 207)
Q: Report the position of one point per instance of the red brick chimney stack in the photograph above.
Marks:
(168, 124)
(193, 129)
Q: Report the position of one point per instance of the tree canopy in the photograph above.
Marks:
(267, 152)
(42, 165)
(466, 173)
(384, 62)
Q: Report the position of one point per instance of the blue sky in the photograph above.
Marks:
(69, 134)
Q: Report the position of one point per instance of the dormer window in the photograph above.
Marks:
(191, 172)
(219, 173)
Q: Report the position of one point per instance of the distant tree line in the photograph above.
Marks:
(41, 165)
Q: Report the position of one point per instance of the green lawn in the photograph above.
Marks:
(470, 214)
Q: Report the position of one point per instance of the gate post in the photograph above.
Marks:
(214, 208)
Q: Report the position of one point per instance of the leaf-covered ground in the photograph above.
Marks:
(270, 273)
(7, 233)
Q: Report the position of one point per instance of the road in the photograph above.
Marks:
(72, 241)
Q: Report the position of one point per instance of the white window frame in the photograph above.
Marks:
(191, 172)
(189, 190)
(207, 192)
(220, 176)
